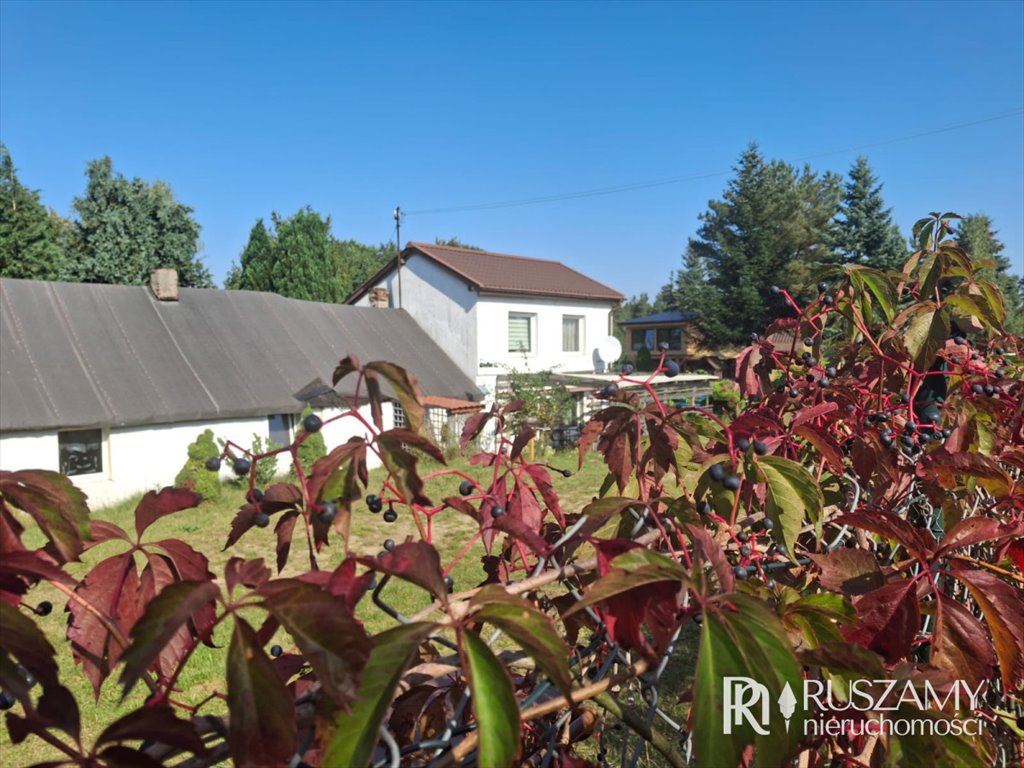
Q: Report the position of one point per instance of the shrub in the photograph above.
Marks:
(859, 521)
(194, 474)
(266, 468)
(312, 448)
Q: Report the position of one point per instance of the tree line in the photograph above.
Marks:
(779, 225)
(122, 229)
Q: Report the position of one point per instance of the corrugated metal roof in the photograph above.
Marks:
(85, 355)
(670, 316)
(502, 273)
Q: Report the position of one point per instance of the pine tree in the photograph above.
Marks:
(864, 232)
(977, 236)
(770, 223)
(30, 242)
(304, 264)
(126, 228)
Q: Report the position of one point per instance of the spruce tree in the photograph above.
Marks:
(30, 242)
(864, 232)
(977, 236)
(769, 224)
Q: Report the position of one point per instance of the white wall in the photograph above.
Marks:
(492, 318)
(139, 459)
(441, 303)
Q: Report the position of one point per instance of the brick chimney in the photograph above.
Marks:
(379, 297)
(164, 284)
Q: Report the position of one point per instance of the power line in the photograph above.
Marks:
(695, 177)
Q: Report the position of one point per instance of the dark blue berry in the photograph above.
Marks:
(213, 463)
(760, 448)
(466, 487)
(241, 466)
(262, 519)
(732, 483)
(44, 608)
(671, 368)
(312, 423)
(717, 472)
(374, 503)
(390, 516)
(276, 650)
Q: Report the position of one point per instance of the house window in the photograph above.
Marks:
(520, 332)
(279, 428)
(81, 451)
(572, 333)
(398, 415)
(652, 338)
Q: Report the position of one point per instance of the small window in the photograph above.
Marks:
(398, 415)
(520, 332)
(279, 428)
(81, 451)
(572, 333)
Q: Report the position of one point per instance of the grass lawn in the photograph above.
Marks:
(206, 527)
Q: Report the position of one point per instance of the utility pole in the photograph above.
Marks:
(398, 245)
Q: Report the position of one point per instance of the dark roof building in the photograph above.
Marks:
(86, 355)
(501, 274)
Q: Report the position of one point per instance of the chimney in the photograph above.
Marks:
(379, 297)
(164, 284)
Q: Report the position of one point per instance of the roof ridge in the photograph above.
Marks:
(423, 246)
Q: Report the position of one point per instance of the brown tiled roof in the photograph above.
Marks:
(491, 272)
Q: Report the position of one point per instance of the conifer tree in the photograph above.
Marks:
(30, 243)
(864, 232)
(977, 236)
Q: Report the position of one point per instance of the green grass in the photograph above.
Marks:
(206, 528)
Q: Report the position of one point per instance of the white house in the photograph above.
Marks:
(492, 312)
(110, 384)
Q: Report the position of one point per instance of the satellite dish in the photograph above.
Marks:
(609, 350)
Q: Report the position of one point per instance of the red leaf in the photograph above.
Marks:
(53, 501)
(347, 365)
(189, 565)
(261, 727)
(37, 565)
(960, 644)
(849, 571)
(1016, 554)
(707, 549)
(523, 506)
(155, 723)
(542, 479)
(474, 426)
(345, 584)
(522, 440)
(974, 530)
(155, 505)
(414, 561)
(165, 615)
(521, 531)
(112, 588)
(325, 630)
(23, 640)
(813, 412)
(284, 530)
(404, 386)
(327, 481)
(746, 377)
(243, 520)
(103, 530)
(1003, 609)
(891, 526)
(827, 445)
(401, 465)
(250, 573)
(890, 617)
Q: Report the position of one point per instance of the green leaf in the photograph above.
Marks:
(401, 465)
(356, 732)
(880, 287)
(792, 495)
(494, 703)
(533, 630)
(164, 616)
(261, 728)
(326, 631)
(405, 388)
(926, 335)
(741, 638)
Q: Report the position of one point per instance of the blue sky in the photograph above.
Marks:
(354, 108)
